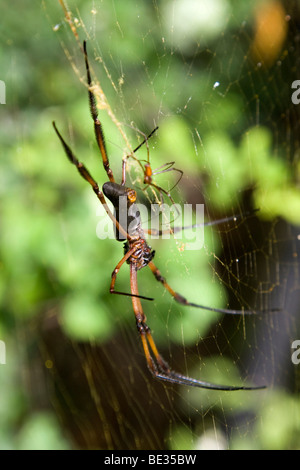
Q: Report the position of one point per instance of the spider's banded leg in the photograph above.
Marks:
(159, 368)
(97, 124)
(174, 230)
(87, 176)
(183, 301)
(115, 273)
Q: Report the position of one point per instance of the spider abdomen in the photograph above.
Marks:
(126, 211)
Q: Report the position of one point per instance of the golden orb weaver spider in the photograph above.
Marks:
(137, 253)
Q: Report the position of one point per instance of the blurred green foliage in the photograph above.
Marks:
(51, 261)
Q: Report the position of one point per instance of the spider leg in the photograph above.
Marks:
(184, 380)
(156, 232)
(124, 163)
(145, 140)
(161, 190)
(183, 301)
(148, 173)
(97, 124)
(159, 368)
(173, 230)
(169, 168)
(87, 176)
(115, 273)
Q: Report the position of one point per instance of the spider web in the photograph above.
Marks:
(218, 85)
(179, 79)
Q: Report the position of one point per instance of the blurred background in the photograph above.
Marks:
(216, 77)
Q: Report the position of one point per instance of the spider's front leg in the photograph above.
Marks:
(97, 124)
(84, 172)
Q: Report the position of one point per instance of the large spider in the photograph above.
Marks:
(137, 253)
